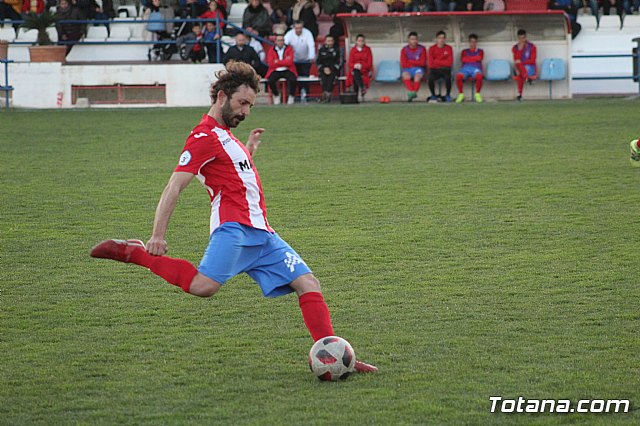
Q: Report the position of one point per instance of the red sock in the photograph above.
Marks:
(178, 272)
(478, 82)
(316, 315)
(460, 82)
(408, 84)
(416, 86)
(520, 83)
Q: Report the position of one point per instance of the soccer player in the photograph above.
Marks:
(524, 60)
(471, 68)
(241, 239)
(635, 153)
(440, 61)
(413, 61)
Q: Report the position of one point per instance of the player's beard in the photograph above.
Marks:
(230, 118)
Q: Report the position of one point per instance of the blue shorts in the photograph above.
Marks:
(531, 70)
(413, 71)
(235, 248)
(469, 72)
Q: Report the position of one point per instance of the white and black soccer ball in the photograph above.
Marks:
(332, 358)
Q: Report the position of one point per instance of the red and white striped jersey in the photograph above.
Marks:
(224, 166)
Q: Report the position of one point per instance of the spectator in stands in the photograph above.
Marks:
(440, 61)
(10, 9)
(161, 30)
(571, 10)
(346, 6)
(303, 11)
(493, 5)
(524, 59)
(359, 66)
(423, 6)
(35, 6)
(87, 8)
(446, 5)
(413, 61)
(280, 61)
(328, 64)
(191, 45)
(214, 12)
(192, 8)
(399, 5)
(257, 46)
(471, 59)
(256, 16)
(105, 12)
(616, 4)
(68, 32)
(280, 17)
(242, 52)
(472, 5)
(211, 39)
(592, 6)
(304, 49)
(631, 6)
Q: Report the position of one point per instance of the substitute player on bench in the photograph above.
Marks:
(471, 68)
(241, 239)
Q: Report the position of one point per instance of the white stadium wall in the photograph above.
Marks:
(49, 85)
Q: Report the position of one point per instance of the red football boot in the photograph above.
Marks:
(119, 250)
(362, 367)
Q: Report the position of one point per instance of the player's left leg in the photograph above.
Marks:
(417, 79)
(478, 78)
(446, 74)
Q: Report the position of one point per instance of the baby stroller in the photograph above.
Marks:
(162, 51)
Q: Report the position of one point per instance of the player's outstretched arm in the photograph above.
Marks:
(157, 246)
(254, 140)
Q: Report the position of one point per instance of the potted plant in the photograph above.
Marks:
(44, 50)
(4, 49)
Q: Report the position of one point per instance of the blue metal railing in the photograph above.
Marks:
(634, 77)
(6, 88)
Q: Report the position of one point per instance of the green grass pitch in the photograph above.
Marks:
(468, 251)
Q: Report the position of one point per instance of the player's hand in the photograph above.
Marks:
(254, 139)
(157, 246)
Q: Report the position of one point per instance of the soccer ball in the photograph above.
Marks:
(332, 358)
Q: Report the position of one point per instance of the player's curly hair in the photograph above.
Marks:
(232, 77)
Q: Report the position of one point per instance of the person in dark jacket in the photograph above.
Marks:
(303, 11)
(347, 6)
(68, 32)
(328, 63)
(257, 17)
(242, 52)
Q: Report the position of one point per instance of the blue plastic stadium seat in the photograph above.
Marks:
(388, 71)
(498, 69)
(553, 69)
